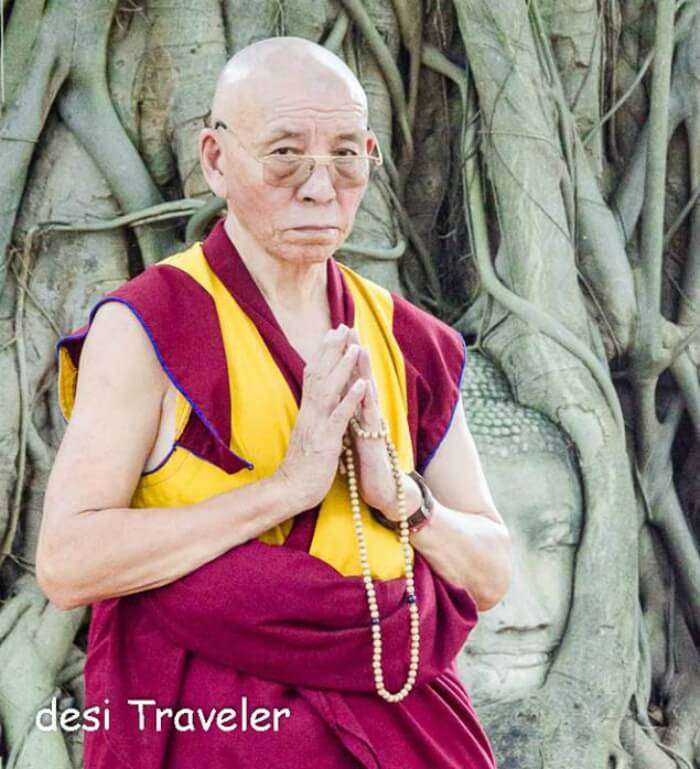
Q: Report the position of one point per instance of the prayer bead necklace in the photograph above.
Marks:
(347, 466)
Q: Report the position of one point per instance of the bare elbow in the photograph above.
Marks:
(56, 593)
(51, 575)
(64, 603)
(488, 599)
(55, 589)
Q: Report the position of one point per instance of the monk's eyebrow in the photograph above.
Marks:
(353, 135)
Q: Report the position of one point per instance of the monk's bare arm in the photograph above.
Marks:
(467, 541)
(92, 545)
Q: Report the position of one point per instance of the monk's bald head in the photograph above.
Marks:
(280, 69)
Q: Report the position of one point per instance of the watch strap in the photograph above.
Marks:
(424, 513)
(417, 520)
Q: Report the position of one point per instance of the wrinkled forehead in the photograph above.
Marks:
(303, 123)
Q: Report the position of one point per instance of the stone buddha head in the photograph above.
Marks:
(532, 471)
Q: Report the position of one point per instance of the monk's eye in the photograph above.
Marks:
(345, 152)
(286, 151)
(556, 535)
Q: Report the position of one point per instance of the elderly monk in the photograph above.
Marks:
(267, 488)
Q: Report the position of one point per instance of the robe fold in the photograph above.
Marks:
(280, 620)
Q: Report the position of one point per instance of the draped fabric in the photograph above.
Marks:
(281, 620)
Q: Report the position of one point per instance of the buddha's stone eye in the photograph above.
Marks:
(557, 534)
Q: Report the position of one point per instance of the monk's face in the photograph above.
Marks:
(291, 107)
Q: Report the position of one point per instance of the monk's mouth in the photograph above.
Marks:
(314, 229)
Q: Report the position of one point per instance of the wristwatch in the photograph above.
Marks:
(421, 517)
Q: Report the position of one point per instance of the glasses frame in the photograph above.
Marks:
(316, 159)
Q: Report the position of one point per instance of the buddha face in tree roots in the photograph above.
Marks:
(531, 468)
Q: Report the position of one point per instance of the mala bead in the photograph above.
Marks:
(347, 468)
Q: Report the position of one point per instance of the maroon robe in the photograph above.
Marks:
(272, 622)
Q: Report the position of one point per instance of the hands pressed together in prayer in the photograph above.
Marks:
(338, 384)
(471, 549)
(375, 478)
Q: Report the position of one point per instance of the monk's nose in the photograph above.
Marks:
(319, 186)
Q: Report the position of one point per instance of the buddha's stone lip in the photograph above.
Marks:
(505, 650)
(513, 658)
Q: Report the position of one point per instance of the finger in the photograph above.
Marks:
(328, 354)
(371, 414)
(364, 370)
(324, 391)
(354, 338)
(364, 364)
(355, 374)
(346, 408)
(350, 381)
(336, 383)
(375, 394)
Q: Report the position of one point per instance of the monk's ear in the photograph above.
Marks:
(211, 159)
(373, 147)
(371, 143)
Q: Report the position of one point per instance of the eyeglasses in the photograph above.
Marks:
(295, 170)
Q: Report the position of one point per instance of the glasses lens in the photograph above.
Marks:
(287, 170)
(294, 170)
(352, 171)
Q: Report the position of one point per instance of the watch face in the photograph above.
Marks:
(417, 526)
(418, 517)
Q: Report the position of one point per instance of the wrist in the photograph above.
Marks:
(412, 495)
(291, 496)
(421, 516)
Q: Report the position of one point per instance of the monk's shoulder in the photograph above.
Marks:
(139, 324)
(118, 347)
